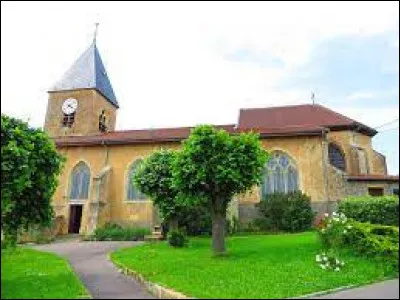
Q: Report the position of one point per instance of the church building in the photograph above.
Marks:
(316, 150)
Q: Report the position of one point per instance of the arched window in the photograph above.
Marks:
(336, 157)
(280, 175)
(132, 192)
(80, 181)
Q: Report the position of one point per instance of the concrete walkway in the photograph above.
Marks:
(382, 290)
(100, 276)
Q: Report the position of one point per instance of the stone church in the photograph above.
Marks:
(314, 149)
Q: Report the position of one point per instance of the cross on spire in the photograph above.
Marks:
(95, 32)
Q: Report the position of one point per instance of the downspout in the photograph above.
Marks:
(324, 167)
(107, 152)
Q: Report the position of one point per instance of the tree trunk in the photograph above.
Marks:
(218, 230)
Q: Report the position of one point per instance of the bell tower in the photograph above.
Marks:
(82, 102)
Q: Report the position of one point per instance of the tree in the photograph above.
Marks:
(154, 178)
(30, 165)
(215, 165)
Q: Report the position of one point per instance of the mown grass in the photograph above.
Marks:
(268, 266)
(31, 274)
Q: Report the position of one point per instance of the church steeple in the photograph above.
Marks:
(87, 72)
(82, 102)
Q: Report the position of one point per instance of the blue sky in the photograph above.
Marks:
(181, 64)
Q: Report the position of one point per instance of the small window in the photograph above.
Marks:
(376, 192)
(133, 194)
(336, 157)
(102, 121)
(68, 120)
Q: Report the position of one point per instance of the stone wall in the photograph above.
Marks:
(317, 178)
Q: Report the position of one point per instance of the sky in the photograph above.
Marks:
(186, 63)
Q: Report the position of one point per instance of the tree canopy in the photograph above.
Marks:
(215, 165)
(30, 165)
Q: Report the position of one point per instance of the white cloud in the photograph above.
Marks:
(167, 60)
(360, 95)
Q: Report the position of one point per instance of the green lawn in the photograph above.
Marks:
(27, 273)
(266, 266)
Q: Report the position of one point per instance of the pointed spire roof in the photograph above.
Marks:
(87, 72)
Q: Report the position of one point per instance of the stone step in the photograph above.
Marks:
(152, 238)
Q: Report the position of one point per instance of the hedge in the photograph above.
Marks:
(289, 212)
(376, 210)
(376, 241)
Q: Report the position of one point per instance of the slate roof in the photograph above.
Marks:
(87, 72)
(307, 115)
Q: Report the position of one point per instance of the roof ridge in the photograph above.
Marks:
(167, 128)
(281, 106)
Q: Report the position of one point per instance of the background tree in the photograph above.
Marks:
(154, 179)
(216, 165)
(29, 168)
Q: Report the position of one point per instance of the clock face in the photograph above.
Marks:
(69, 106)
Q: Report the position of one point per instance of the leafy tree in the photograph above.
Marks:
(154, 178)
(216, 165)
(29, 168)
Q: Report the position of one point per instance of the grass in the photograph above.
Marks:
(273, 266)
(31, 274)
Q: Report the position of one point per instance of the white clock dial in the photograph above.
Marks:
(69, 106)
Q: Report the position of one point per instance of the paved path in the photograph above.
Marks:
(100, 276)
(383, 290)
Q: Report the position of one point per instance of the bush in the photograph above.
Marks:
(194, 221)
(288, 212)
(377, 210)
(375, 241)
(115, 232)
(177, 239)
(333, 231)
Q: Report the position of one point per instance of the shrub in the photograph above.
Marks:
(375, 241)
(115, 232)
(177, 239)
(288, 212)
(377, 210)
(329, 261)
(333, 230)
(195, 220)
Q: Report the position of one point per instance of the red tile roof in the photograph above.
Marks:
(373, 177)
(133, 136)
(269, 122)
(299, 115)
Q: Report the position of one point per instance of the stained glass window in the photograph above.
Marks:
(132, 192)
(80, 181)
(336, 157)
(280, 175)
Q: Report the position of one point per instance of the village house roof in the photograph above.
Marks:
(87, 72)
